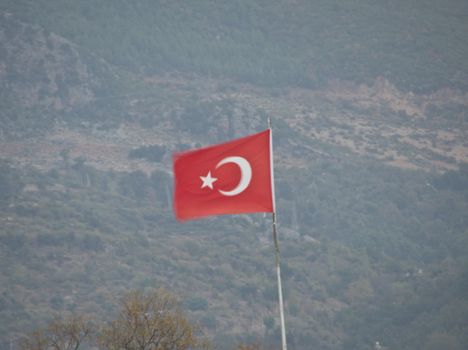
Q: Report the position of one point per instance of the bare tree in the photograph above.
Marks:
(60, 334)
(37, 340)
(252, 346)
(150, 321)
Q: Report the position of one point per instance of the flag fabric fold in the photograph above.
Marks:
(229, 178)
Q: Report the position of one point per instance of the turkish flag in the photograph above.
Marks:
(229, 178)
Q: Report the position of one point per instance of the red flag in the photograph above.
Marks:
(229, 178)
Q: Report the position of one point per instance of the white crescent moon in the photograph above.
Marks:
(246, 174)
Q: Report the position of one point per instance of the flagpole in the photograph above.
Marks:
(277, 251)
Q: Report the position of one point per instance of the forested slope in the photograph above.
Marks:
(369, 110)
(419, 46)
(368, 254)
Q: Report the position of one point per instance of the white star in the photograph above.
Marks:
(208, 180)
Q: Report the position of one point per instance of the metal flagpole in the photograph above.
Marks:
(277, 251)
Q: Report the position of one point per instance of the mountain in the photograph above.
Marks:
(417, 46)
(369, 109)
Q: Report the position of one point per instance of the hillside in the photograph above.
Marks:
(370, 133)
(418, 46)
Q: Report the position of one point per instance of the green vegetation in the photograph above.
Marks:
(417, 46)
(370, 252)
(153, 153)
(363, 255)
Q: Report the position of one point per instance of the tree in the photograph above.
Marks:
(252, 346)
(60, 334)
(150, 321)
(249, 347)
